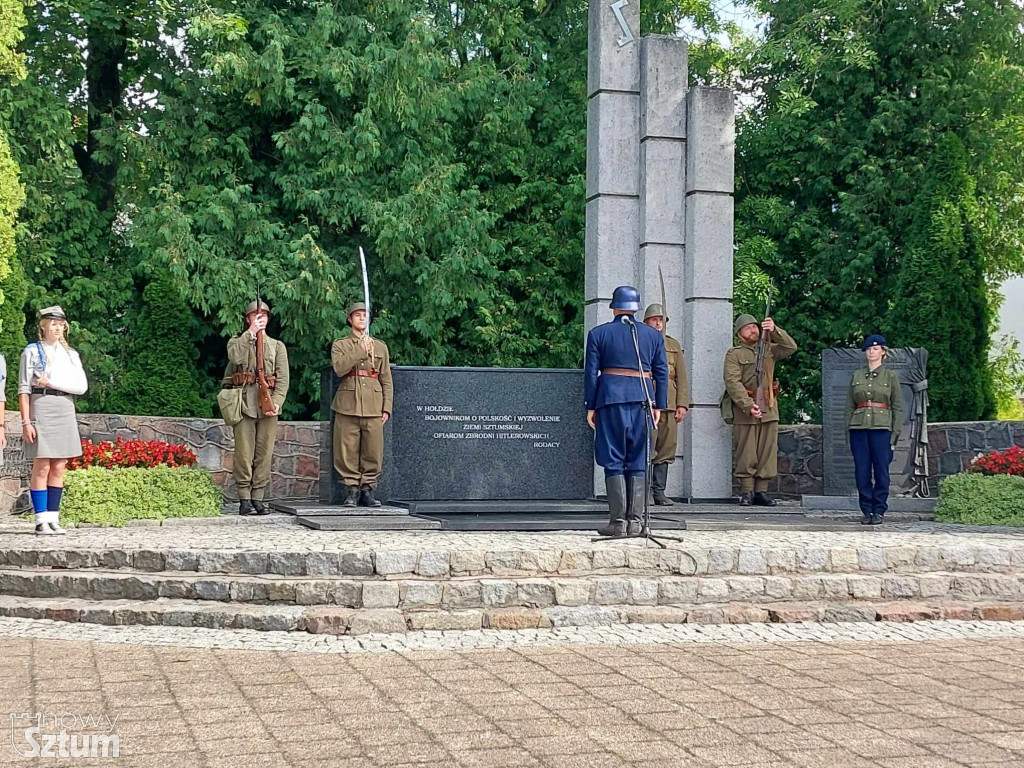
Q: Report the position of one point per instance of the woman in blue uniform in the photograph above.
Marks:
(874, 416)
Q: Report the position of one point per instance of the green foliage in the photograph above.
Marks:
(115, 496)
(854, 101)
(159, 374)
(940, 299)
(1006, 366)
(973, 499)
(12, 196)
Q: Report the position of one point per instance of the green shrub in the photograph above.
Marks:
(114, 496)
(975, 499)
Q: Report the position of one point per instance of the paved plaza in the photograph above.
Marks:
(934, 694)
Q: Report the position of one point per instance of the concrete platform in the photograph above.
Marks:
(849, 503)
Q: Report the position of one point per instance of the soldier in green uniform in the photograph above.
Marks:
(255, 433)
(754, 434)
(362, 405)
(667, 434)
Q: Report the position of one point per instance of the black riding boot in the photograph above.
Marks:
(659, 480)
(635, 489)
(616, 487)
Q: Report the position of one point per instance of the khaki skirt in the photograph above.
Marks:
(56, 428)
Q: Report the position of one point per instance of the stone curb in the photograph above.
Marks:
(713, 561)
(339, 620)
(467, 592)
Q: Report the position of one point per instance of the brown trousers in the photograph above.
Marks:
(756, 453)
(666, 438)
(358, 449)
(254, 450)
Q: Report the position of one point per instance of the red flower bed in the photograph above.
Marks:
(1008, 462)
(132, 453)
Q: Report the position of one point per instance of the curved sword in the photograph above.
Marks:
(366, 287)
(664, 304)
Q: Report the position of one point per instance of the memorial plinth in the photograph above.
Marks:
(477, 434)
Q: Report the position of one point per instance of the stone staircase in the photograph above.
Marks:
(456, 586)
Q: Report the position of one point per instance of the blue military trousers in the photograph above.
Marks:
(619, 439)
(872, 454)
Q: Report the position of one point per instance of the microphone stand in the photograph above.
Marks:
(645, 519)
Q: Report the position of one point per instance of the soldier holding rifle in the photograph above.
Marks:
(751, 395)
(258, 366)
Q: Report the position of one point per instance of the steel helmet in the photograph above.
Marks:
(626, 297)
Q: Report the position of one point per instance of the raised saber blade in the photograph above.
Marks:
(366, 287)
(664, 304)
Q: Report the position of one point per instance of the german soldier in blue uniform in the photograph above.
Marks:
(616, 397)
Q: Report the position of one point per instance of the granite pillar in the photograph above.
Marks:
(707, 280)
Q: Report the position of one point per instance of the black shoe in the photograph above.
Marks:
(260, 507)
(876, 520)
(746, 499)
(244, 507)
(616, 529)
(866, 519)
(366, 498)
(764, 499)
(616, 489)
(353, 497)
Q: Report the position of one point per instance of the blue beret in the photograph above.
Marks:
(873, 341)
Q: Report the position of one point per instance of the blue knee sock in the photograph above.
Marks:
(53, 497)
(39, 499)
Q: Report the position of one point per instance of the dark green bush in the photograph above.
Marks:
(974, 499)
(115, 496)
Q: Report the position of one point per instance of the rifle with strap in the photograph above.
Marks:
(266, 401)
(762, 398)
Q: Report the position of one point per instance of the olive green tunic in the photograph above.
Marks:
(667, 436)
(881, 385)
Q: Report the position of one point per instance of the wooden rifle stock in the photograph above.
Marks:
(263, 387)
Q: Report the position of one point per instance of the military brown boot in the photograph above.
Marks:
(353, 496)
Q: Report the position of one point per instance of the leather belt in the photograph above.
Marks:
(872, 404)
(48, 391)
(364, 373)
(244, 379)
(624, 372)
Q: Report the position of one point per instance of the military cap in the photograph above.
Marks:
(355, 308)
(873, 341)
(743, 320)
(56, 312)
(655, 310)
(254, 306)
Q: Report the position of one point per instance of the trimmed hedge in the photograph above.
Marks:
(974, 499)
(115, 496)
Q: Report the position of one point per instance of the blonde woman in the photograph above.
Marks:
(51, 372)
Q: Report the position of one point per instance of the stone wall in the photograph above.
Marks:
(952, 447)
(295, 468)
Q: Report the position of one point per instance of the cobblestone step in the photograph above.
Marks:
(544, 559)
(583, 588)
(341, 621)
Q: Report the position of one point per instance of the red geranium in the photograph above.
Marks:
(1008, 462)
(132, 453)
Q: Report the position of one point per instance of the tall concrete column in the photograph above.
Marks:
(707, 279)
(613, 154)
(663, 63)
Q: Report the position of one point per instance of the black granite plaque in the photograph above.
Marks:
(837, 369)
(479, 433)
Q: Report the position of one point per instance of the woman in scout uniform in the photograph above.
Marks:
(50, 374)
(874, 416)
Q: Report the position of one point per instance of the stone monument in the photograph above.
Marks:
(660, 194)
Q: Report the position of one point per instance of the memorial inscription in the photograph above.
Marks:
(837, 368)
(481, 434)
